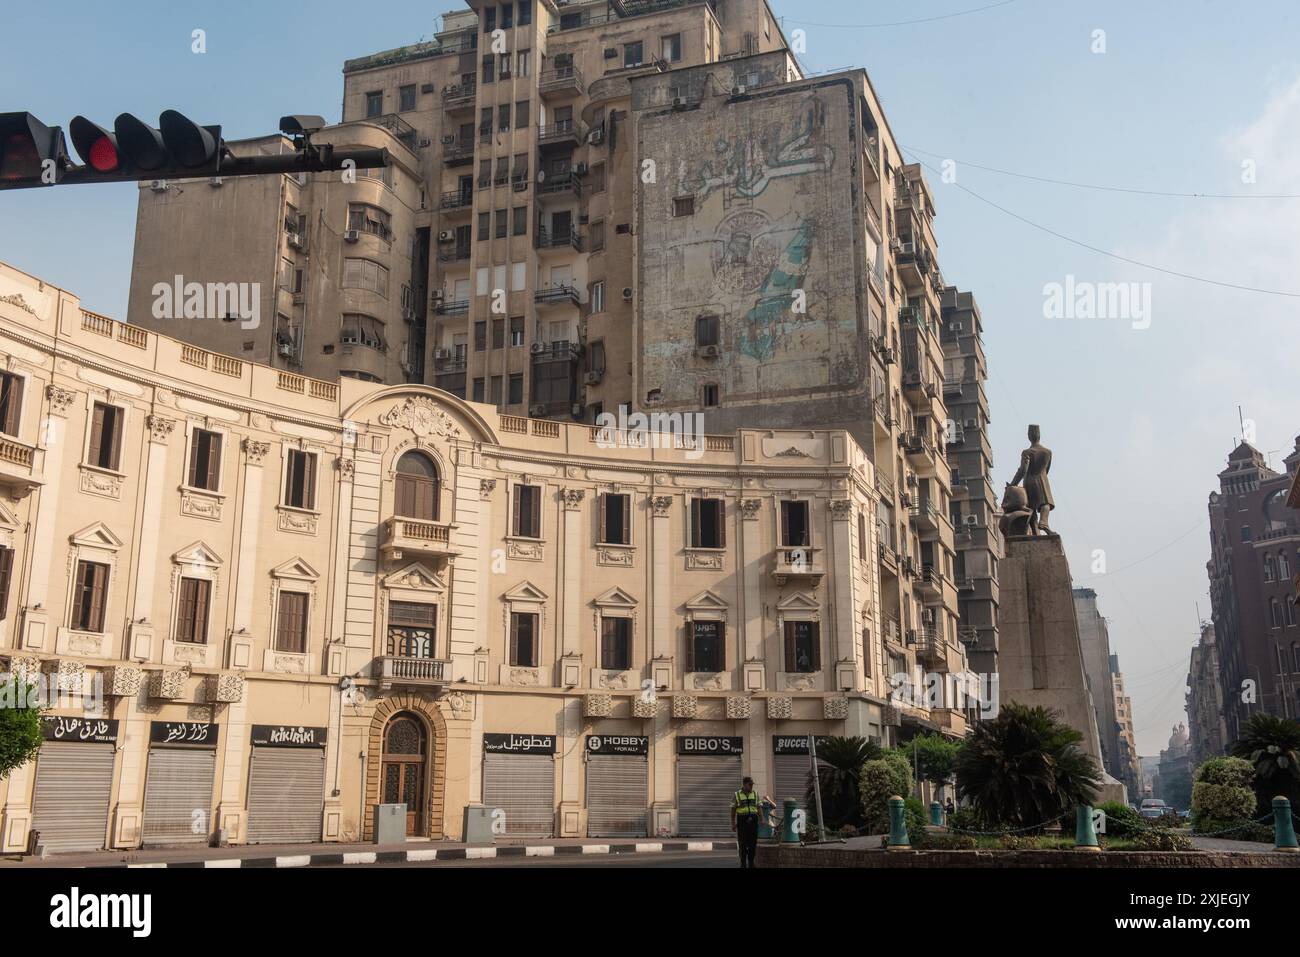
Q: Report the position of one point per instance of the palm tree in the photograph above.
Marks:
(839, 760)
(1025, 768)
(1272, 745)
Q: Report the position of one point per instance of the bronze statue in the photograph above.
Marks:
(1016, 513)
(1035, 463)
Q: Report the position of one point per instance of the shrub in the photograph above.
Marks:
(1238, 830)
(1227, 772)
(914, 812)
(966, 819)
(1222, 801)
(901, 768)
(876, 787)
(840, 761)
(1121, 820)
(928, 841)
(1162, 840)
(1272, 746)
(20, 723)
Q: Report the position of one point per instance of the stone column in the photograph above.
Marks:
(37, 635)
(752, 566)
(571, 755)
(848, 666)
(140, 634)
(662, 627)
(339, 662)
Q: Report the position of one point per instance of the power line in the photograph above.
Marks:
(1116, 256)
(1194, 528)
(1109, 189)
(904, 23)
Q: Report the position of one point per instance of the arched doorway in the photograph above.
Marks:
(404, 772)
(416, 487)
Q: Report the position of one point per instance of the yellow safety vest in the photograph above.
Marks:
(745, 803)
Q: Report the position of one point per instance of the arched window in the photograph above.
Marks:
(1276, 612)
(416, 487)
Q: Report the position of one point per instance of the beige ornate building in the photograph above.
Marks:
(302, 599)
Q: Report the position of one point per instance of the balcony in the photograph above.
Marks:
(566, 240)
(459, 98)
(555, 352)
(452, 307)
(561, 82)
(457, 152)
(399, 670)
(925, 516)
(457, 199)
(459, 254)
(930, 647)
(913, 261)
(462, 42)
(801, 561)
(884, 418)
(888, 559)
(929, 584)
(576, 21)
(17, 467)
(564, 133)
(449, 366)
(556, 295)
(418, 537)
(915, 447)
(564, 187)
(402, 131)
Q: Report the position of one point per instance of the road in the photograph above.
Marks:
(713, 859)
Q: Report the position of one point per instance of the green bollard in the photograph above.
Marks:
(1085, 835)
(936, 814)
(898, 840)
(765, 809)
(1283, 830)
(788, 833)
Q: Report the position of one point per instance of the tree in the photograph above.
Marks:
(1024, 768)
(20, 723)
(839, 764)
(1222, 792)
(936, 758)
(878, 781)
(1272, 745)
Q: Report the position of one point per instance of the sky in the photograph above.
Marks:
(1162, 102)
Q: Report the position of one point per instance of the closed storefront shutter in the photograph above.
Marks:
(791, 774)
(705, 786)
(523, 787)
(178, 796)
(286, 795)
(617, 790)
(74, 781)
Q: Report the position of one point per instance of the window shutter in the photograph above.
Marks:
(99, 580)
(96, 434)
(606, 642)
(722, 646)
(789, 646)
(6, 572)
(78, 594)
(193, 479)
(815, 632)
(185, 611)
(14, 407)
(201, 589)
(695, 523)
(514, 635)
(603, 508)
(515, 509)
(627, 519)
(119, 426)
(866, 652)
(688, 660)
(214, 461)
(722, 523)
(785, 524)
(309, 480)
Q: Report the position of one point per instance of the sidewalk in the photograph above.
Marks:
(317, 855)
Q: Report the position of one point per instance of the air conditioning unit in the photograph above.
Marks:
(537, 409)
(215, 180)
(286, 349)
(295, 240)
(592, 378)
(956, 327)
(426, 87)
(408, 314)
(611, 53)
(442, 353)
(597, 136)
(972, 520)
(436, 295)
(627, 293)
(521, 186)
(708, 352)
(582, 169)
(907, 248)
(446, 236)
(449, 139)
(537, 348)
(575, 409)
(352, 235)
(738, 90)
(972, 423)
(679, 103)
(425, 142)
(159, 185)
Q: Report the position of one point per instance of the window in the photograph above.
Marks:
(709, 394)
(520, 225)
(1269, 573)
(291, 623)
(521, 114)
(523, 639)
(516, 393)
(598, 296)
(11, 402)
(596, 179)
(1245, 533)
(192, 611)
(362, 330)
(105, 437)
(862, 537)
(802, 651)
(365, 274)
(374, 104)
(684, 206)
(524, 60)
(517, 332)
(794, 524)
(89, 589)
(478, 393)
(205, 460)
(519, 168)
(498, 333)
(596, 357)
(6, 574)
(507, 16)
(484, 226)
(300, 479)
(415, 487)
(489, 68)
(1275, 612)
(708, 529)
(412, 629)
(632, 54)
(616, 644)
(494, 390)
(705, 650)
(480, 335)
(866, 652)
(706, 331)
(406, 98)
(615, 519)
(502, 224)
(525, 12)
(671, 48)
(527, 511)
(370, 219)
(489, 19)
(503, 66)
(596, 232)
(503, 118)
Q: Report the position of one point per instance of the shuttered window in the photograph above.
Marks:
(706, 648)
(523, 639)
(291, 626)
(794, 523)
(415, 488)
(802, 647)
(192, 611)
(11, 402)
(89, 590)
(300, 479)
(105, 437)
(616, 643)
(527, 511)
(616, 519)
(205, 460)
(6, 573)
(708, 524)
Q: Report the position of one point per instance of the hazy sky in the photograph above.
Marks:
(1140, 419)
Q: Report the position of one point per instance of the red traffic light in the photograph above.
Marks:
(96, 146)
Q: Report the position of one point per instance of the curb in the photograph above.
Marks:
(424, 855)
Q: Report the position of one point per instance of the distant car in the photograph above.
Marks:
(1153, 809)
(1185, 815)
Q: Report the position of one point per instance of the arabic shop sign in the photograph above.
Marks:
(617, 744)
(97, 730)
(519, 743)
(796, 743)
(288, 736)
(713, 747)
(197, 733)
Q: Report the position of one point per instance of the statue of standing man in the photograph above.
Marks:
(1035, 463)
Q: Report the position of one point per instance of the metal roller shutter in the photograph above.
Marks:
(286, 795)
(705, 786)
(617, 791)
(74, 781)
(523, 786)
(177, 784)
(791, 774)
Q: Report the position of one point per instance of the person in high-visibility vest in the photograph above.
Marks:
(744, 821)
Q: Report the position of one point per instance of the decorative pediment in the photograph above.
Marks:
(97, 535)
(296, 568)
(799, 601)
(197, 553)
(615, 597)
(422, 416)
(414, 576)
(706, 601)
(526, 591)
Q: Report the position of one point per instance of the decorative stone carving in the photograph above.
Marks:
(461, 704)
(685, 706)
(302, 522)
(891, 716)
(614, 556)
(17, 300)
(101, 483)
(124, 682)
(779, 707)
(256, 451)
(289, 664)
(792, 452)
(528, 551)
(749, 508)
(183, 653)
(597, 705)
(613, 679)
(709, 560)
(61, 399)
(486, 487)
(835, 709)
(705, 682)
(841, 509)
(739, 706)
(347, 467)
(67, 674)
(25, 667)
(800, 683)
(573, 498)
(523, 676)
(422, 417)
(227, 687)
(643, 707)
(89, 643)
(661, 504)
(167, 684)
(160, 427)
(200, 505)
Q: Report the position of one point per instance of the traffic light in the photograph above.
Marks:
(177, 148)
(31, 153)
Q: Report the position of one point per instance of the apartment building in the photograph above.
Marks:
(974, 503)
(1129, 760)
(1094, 644)
(1254, 552)
(278, 601)
(1206, 728)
